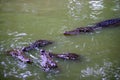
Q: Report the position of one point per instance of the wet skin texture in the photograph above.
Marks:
(37, 44)
(19, 55)
(66, 56)
(47, 63)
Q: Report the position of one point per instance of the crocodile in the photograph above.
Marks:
(36, 44)
(19, 55)
(66, 56)
(47, 63)
(98, 26)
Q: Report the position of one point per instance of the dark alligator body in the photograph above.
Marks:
(79, 31)
(108, 23)
(47, 63)
(66, 56)
(19, 55)
(37, 44)
(103, 24)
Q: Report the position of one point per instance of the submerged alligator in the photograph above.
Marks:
(97, 26)
(19, 55)
(37, 44)
(66, 56)
(47, 62)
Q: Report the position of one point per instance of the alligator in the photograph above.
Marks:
(79, 31)
(37, 44)
(97, 26)
(47, 63)
(110, 22)
(65, 56)
(19, 55)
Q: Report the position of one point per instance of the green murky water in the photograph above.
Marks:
(24, 21)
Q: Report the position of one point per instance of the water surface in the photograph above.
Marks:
(23, 22)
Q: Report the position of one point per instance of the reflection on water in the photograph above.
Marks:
(96, 8)
(17, 34)
(117, 6)
(15, 41)
(75, 8)
(22, 22)
(96, 5)
(102, 71)
(19, 71)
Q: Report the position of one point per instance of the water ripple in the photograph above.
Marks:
(96, 8)
(116, 7)
(16, 34)
(96, 5)
(75, 8)
(102, 71)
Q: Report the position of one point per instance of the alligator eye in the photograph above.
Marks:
(29, 61)
(42, 50)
